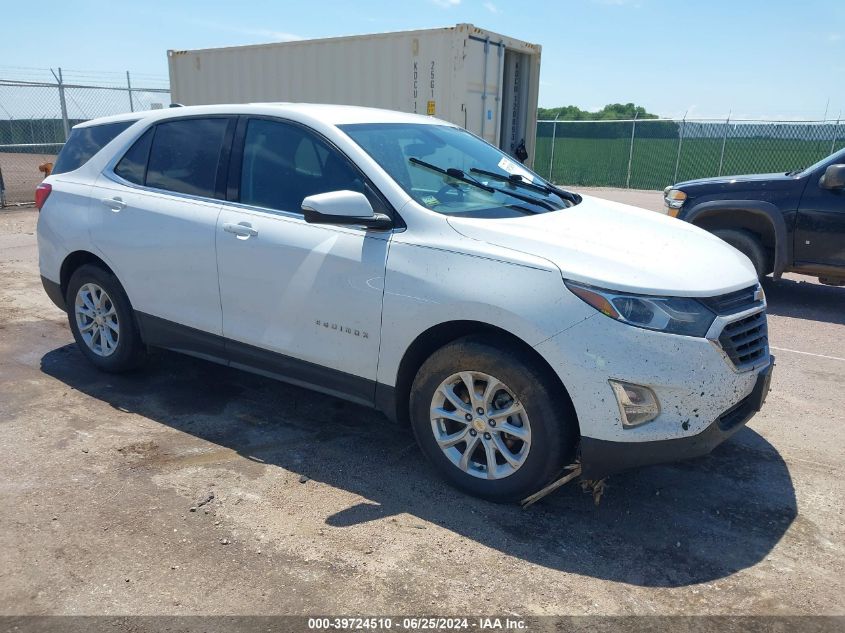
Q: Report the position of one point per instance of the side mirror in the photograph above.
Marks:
(833, 178)
(343, 207)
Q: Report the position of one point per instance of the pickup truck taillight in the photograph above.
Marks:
(42, 192)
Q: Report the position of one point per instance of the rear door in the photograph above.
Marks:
(820, 226)
(299, 300)
(154, 221)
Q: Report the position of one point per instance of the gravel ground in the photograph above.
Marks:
(189, 488)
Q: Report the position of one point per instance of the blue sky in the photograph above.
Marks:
(772, 59)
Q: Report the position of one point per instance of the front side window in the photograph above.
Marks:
(185, 154)
(84, 142)
(284, 163)
(450, 171)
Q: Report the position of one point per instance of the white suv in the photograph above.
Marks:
(401, 262)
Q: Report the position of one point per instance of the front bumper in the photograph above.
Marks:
(600, 458)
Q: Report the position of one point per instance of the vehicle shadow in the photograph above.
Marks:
(805, 300)
(666, 526)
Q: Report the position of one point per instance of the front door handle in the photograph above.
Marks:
(242, 230)
(115, 204)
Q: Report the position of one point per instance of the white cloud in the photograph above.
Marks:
(492, 8)
(834, 37)
(446, 4)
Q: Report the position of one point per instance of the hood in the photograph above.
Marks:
(621, 247)
(758, 184)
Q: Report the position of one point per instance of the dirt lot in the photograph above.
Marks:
(192, 488)
(21, 175)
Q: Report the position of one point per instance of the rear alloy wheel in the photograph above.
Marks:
(97, 320)
(491, 419)
(101, 319)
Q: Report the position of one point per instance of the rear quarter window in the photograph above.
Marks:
(84, 142)
(133, 165)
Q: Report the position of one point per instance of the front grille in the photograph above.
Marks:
(746, 340)
(733, 302)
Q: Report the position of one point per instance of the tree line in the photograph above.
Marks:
(612, 111)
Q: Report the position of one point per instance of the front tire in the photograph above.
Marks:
(490, 420)
(102, 321)
(747, 244)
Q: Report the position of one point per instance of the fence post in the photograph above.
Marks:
(129, 88)
(62, 102)
(835, 133)
(680, 142)
(724, 140)
(631, 150)
(552, 153)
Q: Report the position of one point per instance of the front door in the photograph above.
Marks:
(300, 301)
(820, 227)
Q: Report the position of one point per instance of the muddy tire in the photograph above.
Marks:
(749, 245)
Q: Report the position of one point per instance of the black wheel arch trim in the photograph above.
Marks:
(756, 207)
(54, 292)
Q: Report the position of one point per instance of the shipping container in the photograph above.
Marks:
(483, 81)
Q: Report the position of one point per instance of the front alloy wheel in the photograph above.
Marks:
(470, 405)
(480, 425)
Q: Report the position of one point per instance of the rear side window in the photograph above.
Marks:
(184, 155)
(84, 142)
(133, 165)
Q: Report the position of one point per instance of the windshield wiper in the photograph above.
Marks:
(452, 172)
(519, 181)
(795, 171)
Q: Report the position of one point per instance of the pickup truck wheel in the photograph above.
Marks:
(749, 245)
(486, 416)
(101, 319)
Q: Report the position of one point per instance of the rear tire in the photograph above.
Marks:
(102, 320)
(543, 428)
(749, 245)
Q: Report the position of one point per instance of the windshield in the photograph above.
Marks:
(450, 171)
(836, 157)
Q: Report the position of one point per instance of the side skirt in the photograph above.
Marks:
(158, 332)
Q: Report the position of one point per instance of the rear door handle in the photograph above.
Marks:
(244, 229)
(115, 204)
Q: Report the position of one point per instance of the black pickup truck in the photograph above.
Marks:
(782, 222)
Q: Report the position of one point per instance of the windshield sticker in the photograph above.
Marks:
(431, 201)
(511, 167)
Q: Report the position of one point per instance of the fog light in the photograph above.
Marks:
(637, 404)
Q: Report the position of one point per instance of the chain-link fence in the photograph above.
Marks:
(653, 153)
(39, 107)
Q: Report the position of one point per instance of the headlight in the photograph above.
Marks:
(675, 315)
(674, 199)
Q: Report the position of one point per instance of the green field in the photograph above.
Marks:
(603, 162)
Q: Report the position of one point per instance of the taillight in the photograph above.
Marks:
(42, 192)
